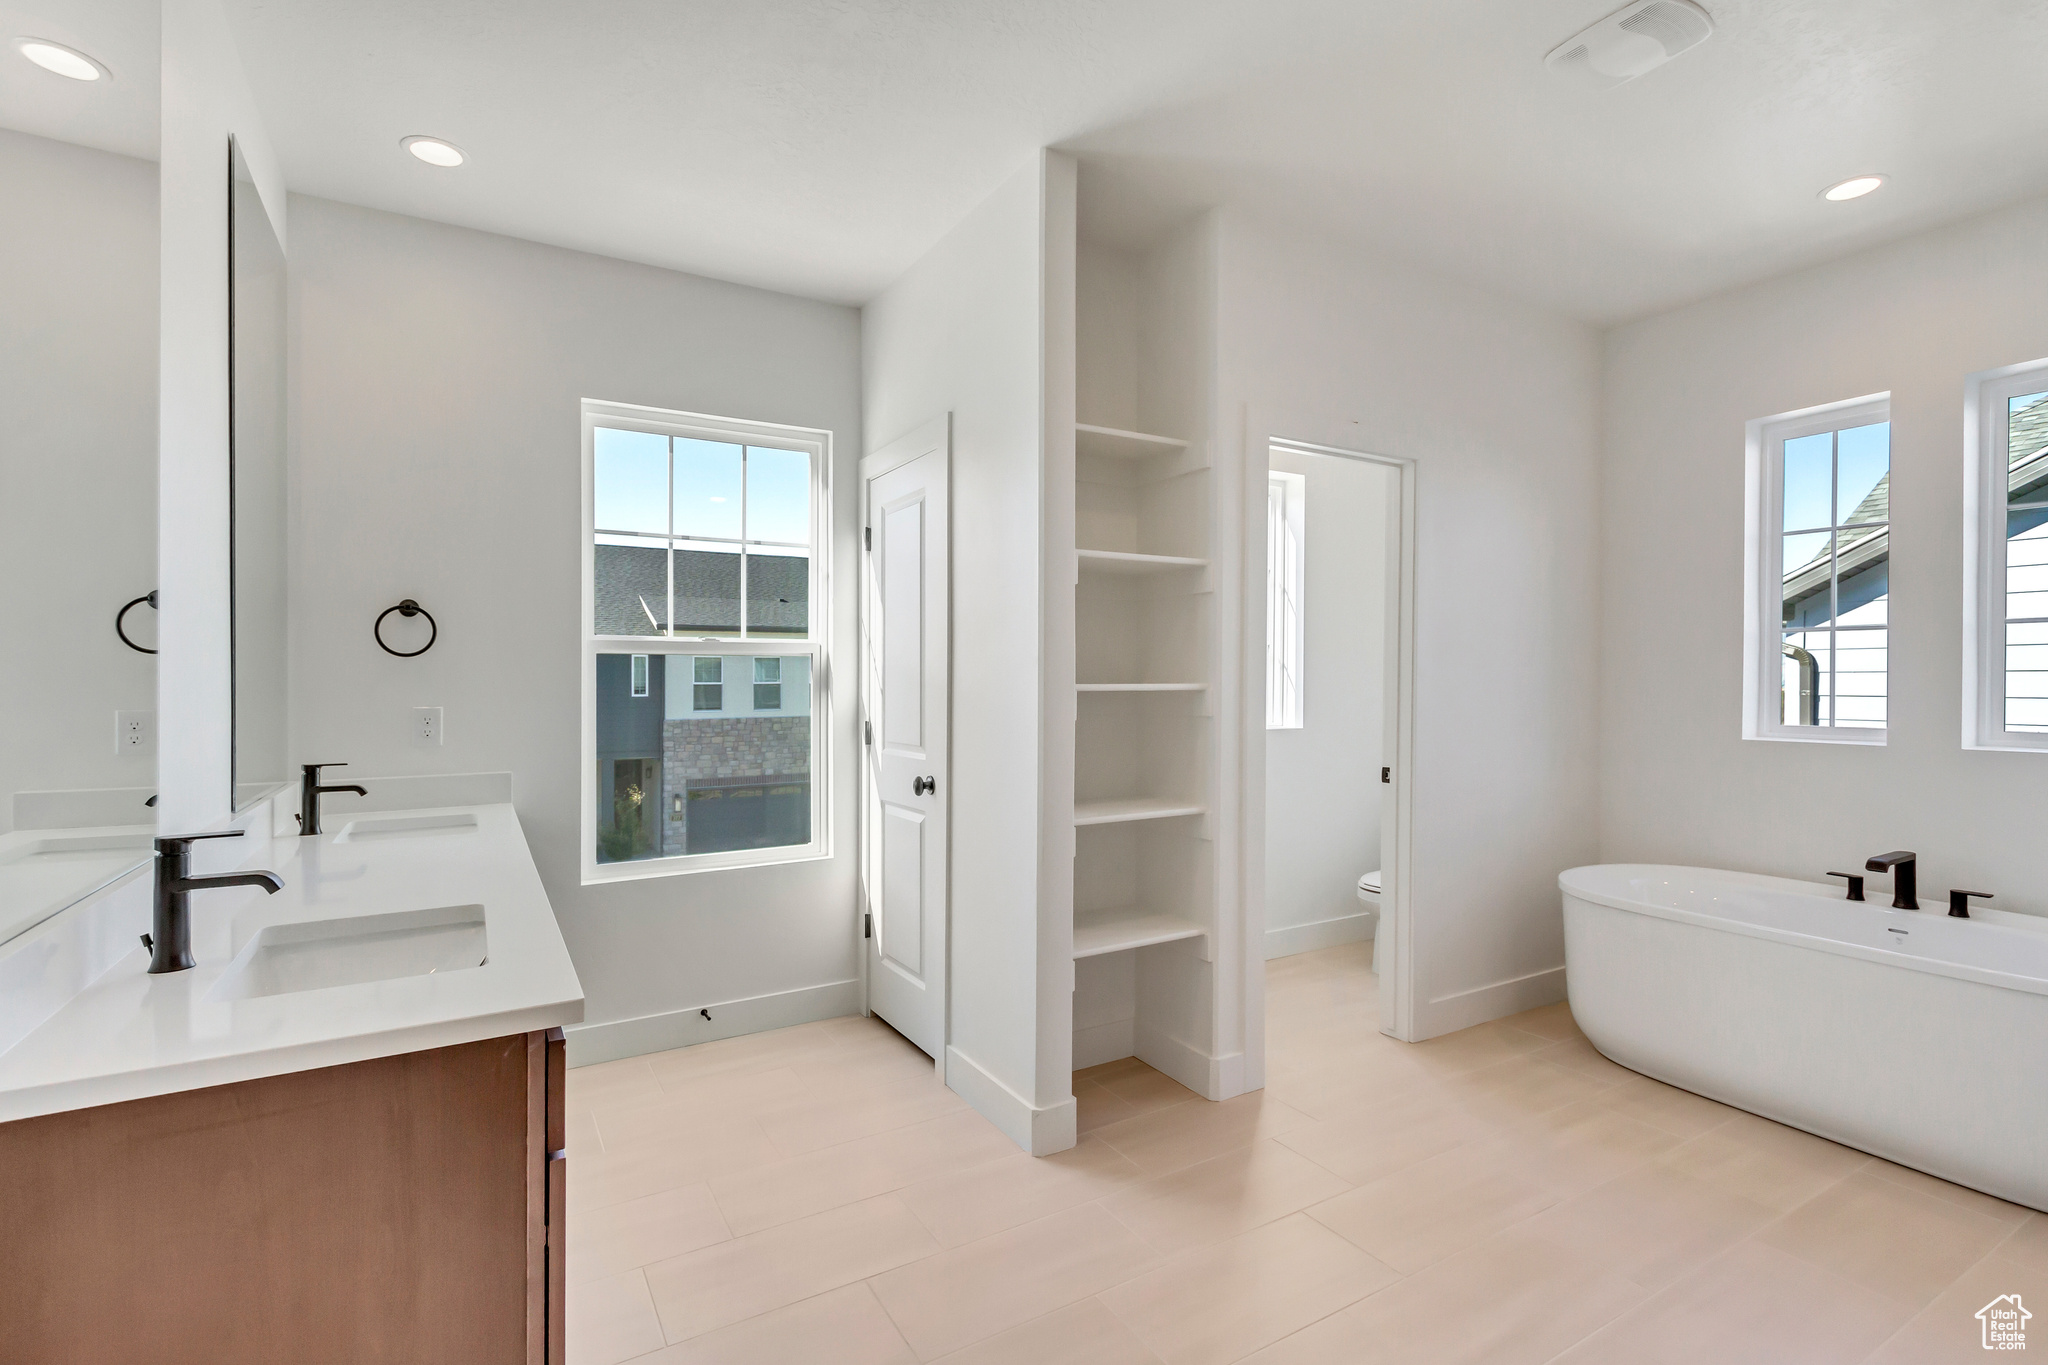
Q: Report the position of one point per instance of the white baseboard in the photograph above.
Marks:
(1324, 933)
(1105, 1043)
(1213, 1078)
(1040, 1132)
(1463, 1009)
(608, 1042)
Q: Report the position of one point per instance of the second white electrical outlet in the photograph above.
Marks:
(134, 732)
(426, 725)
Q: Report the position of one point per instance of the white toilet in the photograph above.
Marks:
(1369, 897)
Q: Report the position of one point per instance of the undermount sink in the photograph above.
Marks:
(405, 826)
(315, 954)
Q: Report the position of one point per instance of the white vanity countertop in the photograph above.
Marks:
(129, 1034)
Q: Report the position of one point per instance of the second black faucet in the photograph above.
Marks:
(310, 792)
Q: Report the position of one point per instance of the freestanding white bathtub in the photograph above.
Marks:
(1916, 1037)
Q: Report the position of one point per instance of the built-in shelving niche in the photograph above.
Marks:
(1148, 961)
(1143, 735)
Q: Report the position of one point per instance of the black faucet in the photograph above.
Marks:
(170, 921)
(1901, 865)
(310, 792)
(1855, 884)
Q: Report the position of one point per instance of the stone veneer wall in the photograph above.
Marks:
(726, 747)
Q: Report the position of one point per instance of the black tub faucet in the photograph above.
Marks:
(1901, 864)
(310, 792)
(169, 939)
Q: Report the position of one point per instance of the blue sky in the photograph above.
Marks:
(1866, 455)
(633, 476)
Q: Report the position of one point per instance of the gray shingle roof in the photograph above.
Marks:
(2027, 453)
(632, 591)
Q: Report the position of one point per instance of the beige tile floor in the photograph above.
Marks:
(1504, 1194)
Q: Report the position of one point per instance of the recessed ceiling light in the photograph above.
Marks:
(65, 61)
(1853, 188)
(434, 151)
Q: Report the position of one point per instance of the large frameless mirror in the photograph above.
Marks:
(79, 265)
(256, 345)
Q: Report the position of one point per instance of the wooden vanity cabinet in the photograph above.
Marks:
(405, 1209)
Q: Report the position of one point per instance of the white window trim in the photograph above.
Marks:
(661, 422)
(1286, 575)
(1984, 503)
(1764, 574)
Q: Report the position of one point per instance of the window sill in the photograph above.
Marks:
(1821, 735)
(2030, 744)
(688, 865)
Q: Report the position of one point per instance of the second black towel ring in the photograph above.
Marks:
(122, 614)
(407, 608)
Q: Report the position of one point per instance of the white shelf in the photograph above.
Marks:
(1132, 808)
(1141, 687)
(1113, 931)
(1122, 562)
(1122, 445)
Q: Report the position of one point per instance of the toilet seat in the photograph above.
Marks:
(1369, 884)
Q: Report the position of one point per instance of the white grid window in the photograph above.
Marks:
(1820, 589)
(706, 705)
(1286, 497)
(2006, 664)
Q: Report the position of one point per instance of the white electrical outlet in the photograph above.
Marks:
(134, 732)
(426, 725)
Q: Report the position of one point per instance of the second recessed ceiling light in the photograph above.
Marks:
(434, 151)
(1854, 188)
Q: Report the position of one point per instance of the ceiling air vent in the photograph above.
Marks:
(1630, 41)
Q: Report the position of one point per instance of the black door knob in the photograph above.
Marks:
(924, 786)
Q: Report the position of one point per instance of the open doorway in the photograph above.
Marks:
(1334, 602)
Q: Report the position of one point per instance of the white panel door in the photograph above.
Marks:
(905, 714)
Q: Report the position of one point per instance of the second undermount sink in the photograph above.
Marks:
(405, 826)
(312, 955)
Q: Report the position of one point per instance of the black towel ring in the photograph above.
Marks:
(148, 597)
(407, 608)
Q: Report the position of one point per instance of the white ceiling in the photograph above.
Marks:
(820, 146)
(114, 115)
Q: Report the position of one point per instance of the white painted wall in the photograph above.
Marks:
(960, 333)
(1496, 402)
(78, 334)
(1679, 784)
(437, 375)
(1323, 791)
(205, 101)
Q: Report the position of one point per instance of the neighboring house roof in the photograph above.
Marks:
(2026, 481)
(632, 591)
(1859, 549)
(2027, 453)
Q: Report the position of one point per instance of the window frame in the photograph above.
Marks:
(697, 681)
(759, 682)
(1764, 570)
(816, 647)
(1986, 474)
(1286, 630)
